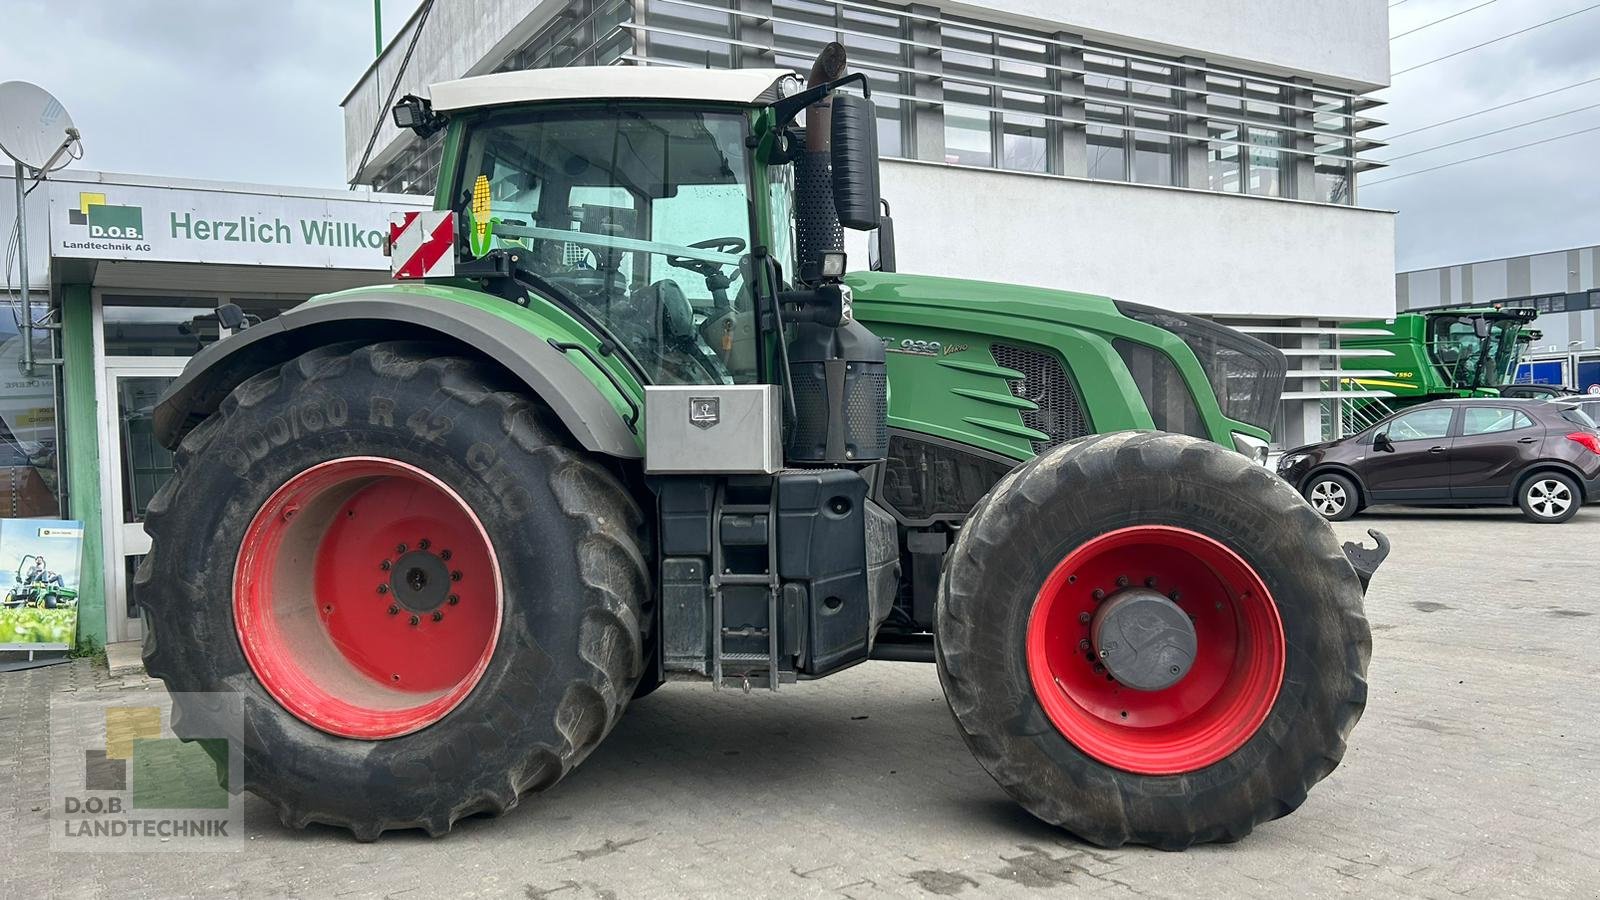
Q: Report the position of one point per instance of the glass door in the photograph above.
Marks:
(136, 466)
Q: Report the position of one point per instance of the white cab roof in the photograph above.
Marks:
(609, 82)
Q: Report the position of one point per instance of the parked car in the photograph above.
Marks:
(1538, 392)
(1541, 455)
(1589, 403)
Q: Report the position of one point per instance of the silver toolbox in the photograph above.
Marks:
(721, 428)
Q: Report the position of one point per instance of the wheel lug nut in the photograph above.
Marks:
(383, 589)
(400, 548)
(1083, 644)
(455, 575)
(1083, 618)
(385, 565)
(1098, 595)
(444, 554)
(453, 600)
(1098, 669)
(1122, 581)
(438, 616)
(1150, 582)
(424, 544)
(394, 610)
(415, 620)
(1174, 596)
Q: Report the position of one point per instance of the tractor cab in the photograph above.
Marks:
(657, 219)
(1478, 348)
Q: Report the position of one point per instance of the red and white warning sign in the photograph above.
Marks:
(422, 244)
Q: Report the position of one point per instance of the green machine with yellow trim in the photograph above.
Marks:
(624, 419)
(1439, 354)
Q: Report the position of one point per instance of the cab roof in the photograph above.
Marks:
(747, 86)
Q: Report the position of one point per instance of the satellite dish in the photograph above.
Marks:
(34, 127)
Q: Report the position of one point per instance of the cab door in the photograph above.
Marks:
(1492, 446)
(1417, 467)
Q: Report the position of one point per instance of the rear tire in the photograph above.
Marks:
(1549, 498)
(566, 579)
(1018, 679)
(1333, 496)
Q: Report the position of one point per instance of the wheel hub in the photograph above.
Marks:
(1143, 639)
(419, 581)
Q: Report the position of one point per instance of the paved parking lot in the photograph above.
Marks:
(1476, 771)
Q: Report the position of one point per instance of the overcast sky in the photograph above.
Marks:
(245, 91)
(1542, 198)
(233, 90)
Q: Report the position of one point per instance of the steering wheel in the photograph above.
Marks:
(702, 267)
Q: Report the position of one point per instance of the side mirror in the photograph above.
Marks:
(1381, 442)
(417, 114)
(1480, 327)
(880, 247)
(855, 161)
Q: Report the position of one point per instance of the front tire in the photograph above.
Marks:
(1333, 496)
(1549, 498)
(1271, 682)
(429, 600)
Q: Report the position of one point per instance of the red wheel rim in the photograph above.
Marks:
(1214, 708)
(367, 597)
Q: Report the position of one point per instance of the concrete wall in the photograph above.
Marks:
(1341, 42)
(461, 37)
(1193, 251)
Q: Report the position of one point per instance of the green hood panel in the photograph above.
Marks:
(944, 381)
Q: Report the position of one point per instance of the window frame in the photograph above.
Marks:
(1449, 430)
(1516, 415)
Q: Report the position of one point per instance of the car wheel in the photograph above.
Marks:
(1332, 496)
(1549, 498)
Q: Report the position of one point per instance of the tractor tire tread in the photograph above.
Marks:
(613, 578)
(1109, 807)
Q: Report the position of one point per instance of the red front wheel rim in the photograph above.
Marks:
(1219, 703)
(367, 598)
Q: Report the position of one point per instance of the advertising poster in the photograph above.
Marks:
(40, 561)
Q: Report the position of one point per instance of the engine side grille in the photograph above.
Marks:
(1046, 383)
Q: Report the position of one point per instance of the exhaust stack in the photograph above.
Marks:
(817, 228)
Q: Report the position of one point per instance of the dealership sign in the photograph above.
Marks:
(176, 224)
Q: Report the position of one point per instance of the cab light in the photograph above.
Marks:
(1588, 439)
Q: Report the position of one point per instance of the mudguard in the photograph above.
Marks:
(548, 373)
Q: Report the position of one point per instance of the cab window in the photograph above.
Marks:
(1492, 419)
(637, 217)
(1422, 425)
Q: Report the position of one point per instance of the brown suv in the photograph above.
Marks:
(1541, 455)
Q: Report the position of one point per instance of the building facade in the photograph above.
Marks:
(1181, 153)
(1563, 285)
(125, 275)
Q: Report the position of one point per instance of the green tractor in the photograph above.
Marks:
(36, 587)
(1447, 353)
(625, 419)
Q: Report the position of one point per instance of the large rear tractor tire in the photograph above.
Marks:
(429, 600)
(1147, 639)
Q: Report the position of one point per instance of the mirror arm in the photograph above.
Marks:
(789, 107)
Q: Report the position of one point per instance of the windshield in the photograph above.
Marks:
(640, 217)
(1471, 360)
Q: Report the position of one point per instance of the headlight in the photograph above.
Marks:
(1290, 461)
(1253, 447)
